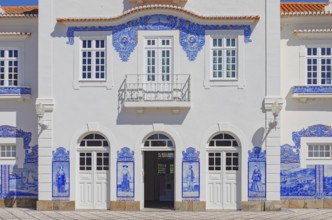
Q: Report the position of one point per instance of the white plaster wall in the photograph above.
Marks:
(21, 114)
(240, 108)
(297, 115)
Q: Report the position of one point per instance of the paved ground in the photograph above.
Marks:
(25, 214)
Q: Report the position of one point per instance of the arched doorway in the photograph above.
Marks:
(223, 172)
(93, 173)
(159, 169)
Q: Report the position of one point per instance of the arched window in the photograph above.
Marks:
(94, 140)
(223, 140)
(158, 140)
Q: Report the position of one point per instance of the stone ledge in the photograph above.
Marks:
(64, 205)
(125, 205)
(272, 205)
(252, 205)
(46, 205)
(18, 203)
(190, 206)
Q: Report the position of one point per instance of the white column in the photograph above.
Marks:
(272, 34)
(45, 143)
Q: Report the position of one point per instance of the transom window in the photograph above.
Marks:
(224, 58)
(7, 150)
(9, 67)
(319, 150)
(159, 60)
(94, 140)
(158, 140)
(231, 161)
(223, 140)
(93, 59)
(319, 66)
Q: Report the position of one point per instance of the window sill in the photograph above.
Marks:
(7, 160)
(223, 83)
(303, 93)
(15, 93)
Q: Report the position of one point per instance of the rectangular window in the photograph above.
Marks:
(159, 60)
(319, 151)
(7, 151)
(232, 161)
(319, 66)
(93, 60)
(85, 161)
(9, 67)
(224, 58)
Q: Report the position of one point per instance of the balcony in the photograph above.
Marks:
(303, 93)
(15, 93)
(156, 91)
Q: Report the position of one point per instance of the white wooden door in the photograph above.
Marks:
(158, 68)
(93, 180)
(223, 187)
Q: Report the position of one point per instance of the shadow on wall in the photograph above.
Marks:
(259, 137)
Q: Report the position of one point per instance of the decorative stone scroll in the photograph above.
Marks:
(192, 35)
(257, 174)
(61, 174)
(190, 174)
(125, 177)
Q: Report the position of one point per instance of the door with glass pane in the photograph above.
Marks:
(223, 173)
(93, 180)
(158, 69)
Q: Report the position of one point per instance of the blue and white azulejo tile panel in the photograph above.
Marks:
(192, 35)
(61, 174)
(257, 174)
(311, 182)
(190, 174)
(125, 178)
(20, 182)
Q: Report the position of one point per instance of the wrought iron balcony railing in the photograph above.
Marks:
(157, 90)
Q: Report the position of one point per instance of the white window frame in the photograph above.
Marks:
(209, 80)
(305, 159)
(20, 152)
(110, 55)
(6, 67)
(19, 46)
(310, 43)
(319, 57)
(5, 147)
(223, 49)
(143, 35)
(320, 144)
(93, 51)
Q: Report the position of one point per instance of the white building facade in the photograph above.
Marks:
(166, 104)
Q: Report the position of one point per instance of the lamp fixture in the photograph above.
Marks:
(276, 109)
(40, 111)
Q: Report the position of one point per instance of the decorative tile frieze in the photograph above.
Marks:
(191, 34)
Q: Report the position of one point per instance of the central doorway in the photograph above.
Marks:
(159, 169)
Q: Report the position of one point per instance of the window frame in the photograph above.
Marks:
(6, 145)
(319, 57)
(318, 144)
(239, 81)
(224, 48)
(93, 51)
(19, 46)
(110, 56)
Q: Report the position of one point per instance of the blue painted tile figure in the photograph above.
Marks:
(190, 178)
(61, 179)
(125, 179)
(125, 184)
(190, 174)
(61, 173)
(256, 180)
